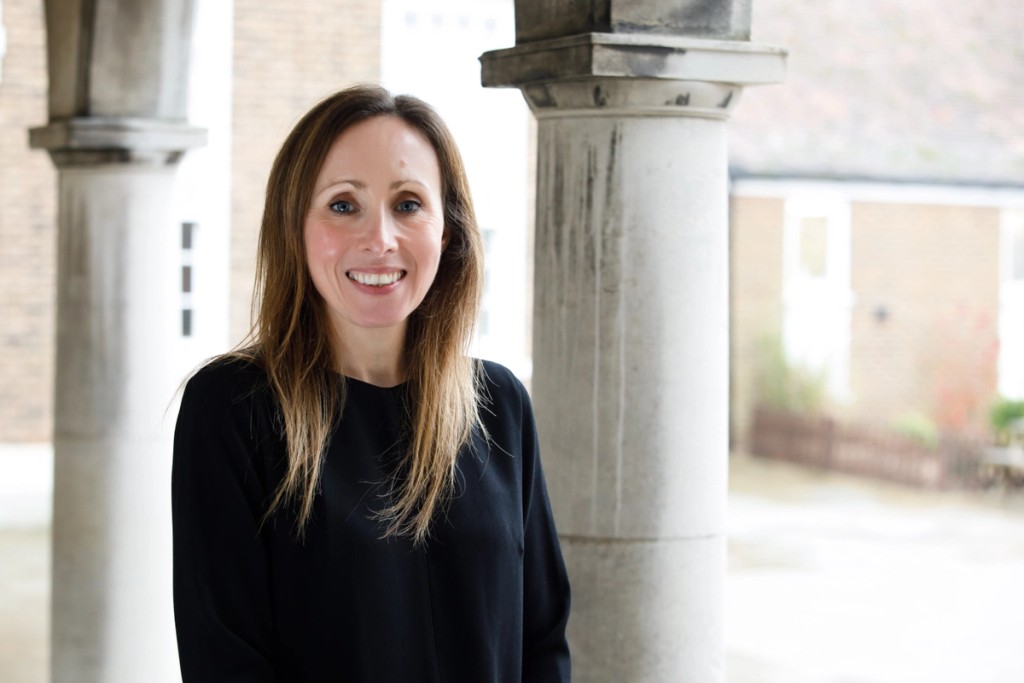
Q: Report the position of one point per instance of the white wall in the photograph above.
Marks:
(203, 193)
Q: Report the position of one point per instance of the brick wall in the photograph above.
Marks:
(924, 329)
(756, 296)
(287, 56)
(925, 323)
(27, 233)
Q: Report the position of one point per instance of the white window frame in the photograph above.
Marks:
(833, 357)
(1011, 299)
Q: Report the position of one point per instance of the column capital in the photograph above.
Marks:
(612, 74)
(91, 141)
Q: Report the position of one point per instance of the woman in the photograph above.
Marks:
(353, 498)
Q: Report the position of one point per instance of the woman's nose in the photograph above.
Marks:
(380, 232)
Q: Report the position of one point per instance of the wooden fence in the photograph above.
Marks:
(859, 449)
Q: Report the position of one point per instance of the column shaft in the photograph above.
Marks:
(631, 335)
(116, 324)
(631, 384)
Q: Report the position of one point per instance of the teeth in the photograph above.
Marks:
(376, 279)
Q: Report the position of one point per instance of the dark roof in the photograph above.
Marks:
(888, 89)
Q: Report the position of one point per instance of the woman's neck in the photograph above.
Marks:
(371, 355)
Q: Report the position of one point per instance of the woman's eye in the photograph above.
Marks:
(408, 206)
(341, 206)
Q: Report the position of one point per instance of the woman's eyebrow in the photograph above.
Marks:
(358, 184)
(406, 181)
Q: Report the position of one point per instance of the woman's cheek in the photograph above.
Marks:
(320, 241)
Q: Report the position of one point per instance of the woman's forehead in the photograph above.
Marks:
(381, 148)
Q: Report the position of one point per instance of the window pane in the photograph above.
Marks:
(1017, 251)
(813, 245)
(187, 229)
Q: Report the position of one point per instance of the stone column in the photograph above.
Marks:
(630, 342)
(117, 102)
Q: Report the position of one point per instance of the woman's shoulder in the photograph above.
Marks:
(498, 378)
(227, 378)
(503, 397)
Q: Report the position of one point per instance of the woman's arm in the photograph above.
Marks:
(222, 602)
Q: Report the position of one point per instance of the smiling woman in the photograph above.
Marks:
(373, 238)
(353, 497)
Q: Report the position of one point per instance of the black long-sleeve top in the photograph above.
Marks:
(485, 599)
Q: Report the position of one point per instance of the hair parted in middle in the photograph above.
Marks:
(291, 334)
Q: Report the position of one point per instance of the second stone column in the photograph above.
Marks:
(631, 344)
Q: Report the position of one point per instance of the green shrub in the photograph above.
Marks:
(918, 427)
(785, 385)
(1006, 417)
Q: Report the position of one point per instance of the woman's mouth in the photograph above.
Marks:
(376, 279)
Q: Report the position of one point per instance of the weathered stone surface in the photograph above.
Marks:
(545, 19)
(633, 56)
(119, 57)
(111, 613)
(631, 97)
(116, 324)
(631, 324)
(94, 140)
(647, 611)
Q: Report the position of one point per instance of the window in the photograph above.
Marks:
(814, 245)
(188, 230)
(1016, 238)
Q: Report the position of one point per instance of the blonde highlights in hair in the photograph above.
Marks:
(291, 336)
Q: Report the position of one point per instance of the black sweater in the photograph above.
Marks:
(485, 599)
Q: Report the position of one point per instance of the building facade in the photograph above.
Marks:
(877, 203)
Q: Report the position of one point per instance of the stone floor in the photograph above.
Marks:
(24, 604)
(832, 580)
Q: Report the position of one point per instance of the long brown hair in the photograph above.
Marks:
(291, 336)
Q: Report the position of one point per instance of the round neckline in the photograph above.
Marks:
(353, 381)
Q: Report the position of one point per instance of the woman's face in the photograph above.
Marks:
(375, 227)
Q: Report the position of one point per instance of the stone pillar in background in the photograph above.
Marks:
(631, 340)
(118, 71)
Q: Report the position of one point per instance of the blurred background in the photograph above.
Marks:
(877, 332)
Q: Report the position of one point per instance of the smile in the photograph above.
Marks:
(376, 279)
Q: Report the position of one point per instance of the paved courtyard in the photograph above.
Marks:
(832, 579)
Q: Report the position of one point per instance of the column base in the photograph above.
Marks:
(647, 610)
